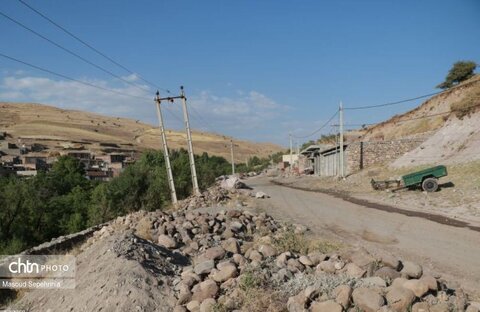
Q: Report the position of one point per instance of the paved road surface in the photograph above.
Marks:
(440, 248)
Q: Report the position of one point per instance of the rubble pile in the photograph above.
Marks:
(223, 190)
(231, 251)
(237, 260)
(212, 196)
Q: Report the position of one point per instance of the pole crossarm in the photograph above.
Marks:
(171, 98)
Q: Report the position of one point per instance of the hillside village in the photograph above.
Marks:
(323, 156)
(33, 136)
(27, 160)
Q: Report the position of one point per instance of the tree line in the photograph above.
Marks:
(63, 201)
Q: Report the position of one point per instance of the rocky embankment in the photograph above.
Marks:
(238, 260)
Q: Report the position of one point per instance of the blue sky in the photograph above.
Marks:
(252, 69)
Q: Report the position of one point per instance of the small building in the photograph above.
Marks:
(290, 158)
(5, 145)
(112, 158)
(116, 168)
(99, 175)
(10, 160)
(322, 160)
(34, 161)
(80, 155)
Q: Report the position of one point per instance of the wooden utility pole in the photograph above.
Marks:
(173, 193)
(196, 189)
(232, 156)
(342, 159)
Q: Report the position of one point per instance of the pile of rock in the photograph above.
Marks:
(379, 284)
(212, 196)
(223, 190)
(213, 257)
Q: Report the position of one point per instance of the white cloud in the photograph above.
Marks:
(248, 110)
(245, 114)
(71, 94)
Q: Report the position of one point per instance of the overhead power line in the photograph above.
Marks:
(90, 46)
(394, 103)
(70, 78)
(319, 129)
(71, 52)
(417, 118)
(406, 100)
(200, 119)
(85, 83)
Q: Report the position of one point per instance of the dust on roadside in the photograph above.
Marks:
(458, 197)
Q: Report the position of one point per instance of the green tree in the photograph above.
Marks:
(459, 72)
(307, 144)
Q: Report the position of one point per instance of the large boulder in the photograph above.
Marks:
(387, 273)
(326, 266)
(267, 250)
(231, 245)
(207, 305)
(297, 303)
(167, 241)
(204, 290)
(204, 267)
(367, 300)
(411, 269)
(400, 299)
(214, 253)
(224, 273)
(418, 287)
(343, 295)
(353, 270)
(232, 182)
(326, 306)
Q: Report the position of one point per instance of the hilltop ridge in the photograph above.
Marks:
(56, 128)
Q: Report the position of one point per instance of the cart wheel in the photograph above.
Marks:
(430, 185)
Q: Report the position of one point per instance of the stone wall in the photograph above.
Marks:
(361, 155)
(63, 243)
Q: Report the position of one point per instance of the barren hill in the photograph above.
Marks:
(448, 122)
(57, 128)
(436, 109)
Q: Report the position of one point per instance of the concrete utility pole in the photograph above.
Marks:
(171, 184)
(291, 152)
(196, 189)
(232, 156)
(342, 159)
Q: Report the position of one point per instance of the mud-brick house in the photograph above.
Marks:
(35, 161)
(112, 158)
(10, 160)
(81, 155)
(114, 162)
(6, 146)
(99, 175)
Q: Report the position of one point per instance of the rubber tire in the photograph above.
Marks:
(430, 185)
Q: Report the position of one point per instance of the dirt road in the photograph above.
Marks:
(452, 252)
